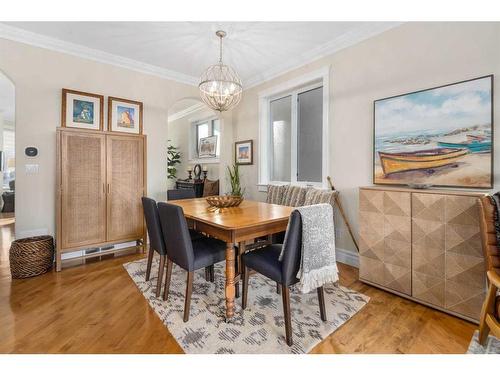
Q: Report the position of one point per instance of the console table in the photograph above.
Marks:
(196, 185)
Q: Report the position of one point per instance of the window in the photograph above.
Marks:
(203, 129)
(294, 132)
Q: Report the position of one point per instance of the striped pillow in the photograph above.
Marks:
(315, 196)
(275, 193)
(294, 196)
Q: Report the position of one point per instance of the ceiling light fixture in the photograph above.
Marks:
(220, 87)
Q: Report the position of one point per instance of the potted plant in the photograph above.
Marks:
(234, 179)
(235, 196)
(173, 158)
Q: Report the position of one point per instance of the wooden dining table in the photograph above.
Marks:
(234, 225)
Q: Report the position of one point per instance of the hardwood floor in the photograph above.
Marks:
(96, 308)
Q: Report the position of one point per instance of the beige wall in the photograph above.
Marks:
(39, 75)
(410, 57)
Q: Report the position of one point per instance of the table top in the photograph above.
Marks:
(247, 214)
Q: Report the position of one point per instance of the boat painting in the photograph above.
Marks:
(427, 160)
(441, 136)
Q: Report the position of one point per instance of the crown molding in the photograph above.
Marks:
(27, 37)
(343, 41)
(186, 112)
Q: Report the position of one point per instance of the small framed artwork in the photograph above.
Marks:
(243, 152)
(82, 110)
(124, 116)
(208, 147)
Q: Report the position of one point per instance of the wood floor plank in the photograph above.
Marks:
(96, 308)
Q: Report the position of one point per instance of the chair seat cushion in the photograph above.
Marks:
(208, 251)
(265, 261)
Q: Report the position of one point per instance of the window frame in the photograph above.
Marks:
(293, 88)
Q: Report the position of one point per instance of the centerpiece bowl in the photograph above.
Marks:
(224, 201)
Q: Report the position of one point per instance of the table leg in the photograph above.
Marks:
(230, 273)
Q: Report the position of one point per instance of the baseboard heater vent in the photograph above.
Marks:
(97, 251)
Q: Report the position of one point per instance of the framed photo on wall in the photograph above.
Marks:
(208, 147)
(124, 116)
(243, 152)
(82, 110)
(442, 136)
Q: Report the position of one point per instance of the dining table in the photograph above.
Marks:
(235, 226)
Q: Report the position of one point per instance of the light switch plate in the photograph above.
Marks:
(31, 168)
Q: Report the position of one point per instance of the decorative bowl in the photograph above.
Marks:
(224, 201)
(419, 186)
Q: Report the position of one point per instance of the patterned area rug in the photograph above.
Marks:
(258, 329)
(492, 345)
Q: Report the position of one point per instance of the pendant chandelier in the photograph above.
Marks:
(220, 87)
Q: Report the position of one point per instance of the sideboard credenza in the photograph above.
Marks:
(423, 245)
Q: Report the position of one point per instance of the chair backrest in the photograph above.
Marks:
(153, 224)
(488, 234)
(175, 194)
(12, 185)
(210, 188)
(293, 249)
(176, 235)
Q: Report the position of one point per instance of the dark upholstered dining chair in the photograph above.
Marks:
(175, 194)
(266, 262)
(156, 242)
(189, 254)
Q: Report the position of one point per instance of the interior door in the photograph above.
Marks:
(83, 198)
(125, 187)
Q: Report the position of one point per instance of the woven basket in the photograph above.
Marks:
(31, 256)
(224, 201)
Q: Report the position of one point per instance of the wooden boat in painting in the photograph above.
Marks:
(393, 162)
(472, 146)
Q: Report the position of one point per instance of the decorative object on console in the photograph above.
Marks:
(208, 147)
(82, 110)
(243, 152)
(190, 172)
(205, 172)
(197, 172)
(431, 137)
(173, 158)
(220, 87)
(124, 115)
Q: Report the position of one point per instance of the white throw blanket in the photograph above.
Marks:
(317, 264)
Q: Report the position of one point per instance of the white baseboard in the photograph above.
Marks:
(347, 257)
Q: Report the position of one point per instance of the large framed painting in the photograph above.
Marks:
(124, 116)
(441, 136)
(82, 110)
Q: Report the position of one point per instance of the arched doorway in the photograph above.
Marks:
(7, 157)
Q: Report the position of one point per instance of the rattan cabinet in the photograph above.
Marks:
(424, 245)
(101, 177)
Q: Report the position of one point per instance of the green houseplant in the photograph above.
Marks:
(173, 158)
(234, 179)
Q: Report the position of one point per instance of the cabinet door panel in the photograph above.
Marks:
(464, 263)
(125, 178)
(83, 200)
(428, 251)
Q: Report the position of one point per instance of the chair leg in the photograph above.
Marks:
(321, 300)
(170, 264)
(488, 308)
(150, 262)
(285, 293)
(212, 273)
(245, 287)
(207, 274)
(237, 290)
(278, 288)
(189, 291)
(160, 275)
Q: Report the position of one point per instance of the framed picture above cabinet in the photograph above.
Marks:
(82, 110)
(124, 116)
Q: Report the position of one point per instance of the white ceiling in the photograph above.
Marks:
(182, 50)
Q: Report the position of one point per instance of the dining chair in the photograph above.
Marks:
(175, 194)
(266, 262)
(191, 255)
(490, 313)
(156, 242)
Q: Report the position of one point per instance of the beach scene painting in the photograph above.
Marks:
(441, 136)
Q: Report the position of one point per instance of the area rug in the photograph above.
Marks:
(259, 328)
(492, 345)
